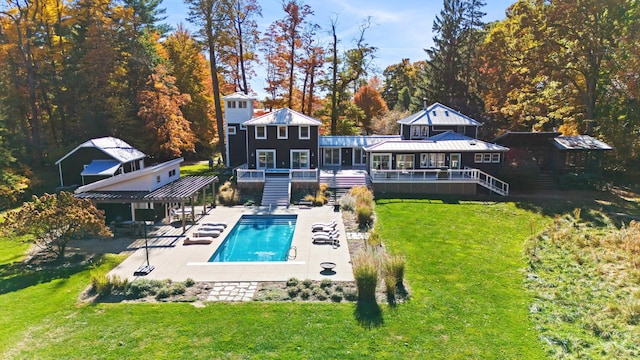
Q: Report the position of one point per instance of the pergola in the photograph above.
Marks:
(181, 191)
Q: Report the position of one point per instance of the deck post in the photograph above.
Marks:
(184, 219)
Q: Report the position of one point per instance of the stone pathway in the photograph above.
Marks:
(357, 235)
(233, 291)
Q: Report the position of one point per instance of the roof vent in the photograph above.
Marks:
(434, 113)
(472, 142)
(446, 113)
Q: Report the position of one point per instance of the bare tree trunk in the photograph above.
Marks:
(334, 81)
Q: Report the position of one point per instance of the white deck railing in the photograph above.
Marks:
(436, 175)
(250, 175)
(306, 175)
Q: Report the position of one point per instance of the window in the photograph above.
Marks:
(332, 156)
(261, 132)
(404, 161)
(432, 160)
(299, 159)
(283, 132)
(359, 156)
(266, 159)
(158, 179)
(242, 104)
(495, 157)
(425, 131)
(478, 158)
(416, 131)
(231, 104)
(304, 132)
(232, 130)
(381, 161)
(487, 157)
(172, 173)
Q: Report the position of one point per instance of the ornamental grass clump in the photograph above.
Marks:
(228, 195)
(365, 272)
(363, 205)
(394, 268)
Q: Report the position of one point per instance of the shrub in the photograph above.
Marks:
(365, 272)
(104, 285)
(339, 288)
(362, 194)
(374, 240)
(227, 194)
(163, 293)
(322, 296)
(142, 288)
(292, 282)
(335, 297)
(364, 215)
(177, 289)
(347, 203)
(326, 283)
(394, 267)
(307, 283)
(189, 282)
(293, 291)
(305, 294)
(350, 294)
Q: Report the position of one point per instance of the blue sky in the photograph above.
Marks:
(400, 29)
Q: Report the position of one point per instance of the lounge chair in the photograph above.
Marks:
(324, 229)
(212, 228)
(326, 240)
(208, 233)
(220, 223)
(199, 240)
(333, 233)
(333, 223)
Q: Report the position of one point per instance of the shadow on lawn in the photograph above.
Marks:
(368, 314)
(17, 276)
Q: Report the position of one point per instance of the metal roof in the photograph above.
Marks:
(114, 147)
(179, 190)
(581, 142)
(464, 144)
(438, 114)
(238, 96)
(354, 141)
(526, 135)
(101, 168)
(284, 117)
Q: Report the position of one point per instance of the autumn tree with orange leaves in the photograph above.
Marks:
(159, 106)
(368, 99)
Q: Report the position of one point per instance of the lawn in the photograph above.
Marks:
(464, 269)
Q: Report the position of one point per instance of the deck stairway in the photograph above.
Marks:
(277, 190)
(340, 180)
(546, 181)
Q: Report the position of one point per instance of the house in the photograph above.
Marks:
(97, 159)
(556, 154)
(437, 151)
(126, 185)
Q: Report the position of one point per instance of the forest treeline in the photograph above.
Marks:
(78, 69)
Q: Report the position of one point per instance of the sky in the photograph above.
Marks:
(399, 28)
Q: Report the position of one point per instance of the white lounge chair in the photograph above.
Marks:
(211, 233)
(324, 239)
(333, 223)
(205, 240)
(324, 229)
(212, 228)
(220, 223)
(334, 233)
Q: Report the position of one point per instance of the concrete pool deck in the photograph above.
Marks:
(179, 262)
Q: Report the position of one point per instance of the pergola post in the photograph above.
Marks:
(204, 200)
(184, 218)
(193, 211)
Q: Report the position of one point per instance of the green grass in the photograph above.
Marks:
(463, 270)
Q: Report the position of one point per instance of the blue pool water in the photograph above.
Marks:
(257, 238)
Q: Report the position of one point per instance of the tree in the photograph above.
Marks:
(400, 76)
(12, 183)
(189, 67)
(54, 220)
(159, 107)
(368, 99)
(245, 40)
(214, 19)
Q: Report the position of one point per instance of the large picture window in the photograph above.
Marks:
(404, 161)
(381, 161)
(432, 160)
(266, 159)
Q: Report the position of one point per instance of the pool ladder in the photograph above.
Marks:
(293, 253)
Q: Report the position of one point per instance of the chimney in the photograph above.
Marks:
(424, 103)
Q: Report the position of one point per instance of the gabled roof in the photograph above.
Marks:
(238, 96)
(445, 142)
(580, 142)
(118, 149)
(354, 141)
(101, 168)
(283, 117)
(438, 114)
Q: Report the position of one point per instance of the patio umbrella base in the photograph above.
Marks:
(144, 270)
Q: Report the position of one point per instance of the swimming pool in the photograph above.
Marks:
(257, 238)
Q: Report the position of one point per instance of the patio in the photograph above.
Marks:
(175, 261)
